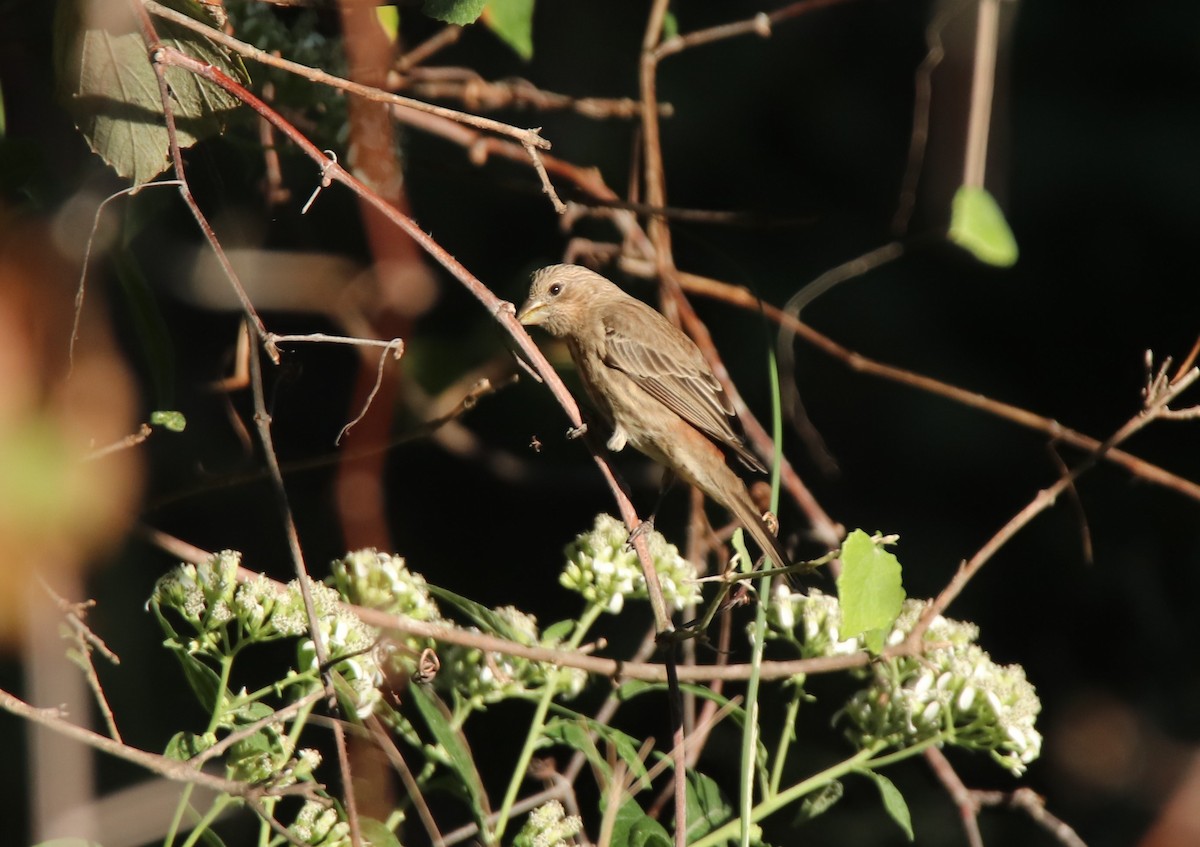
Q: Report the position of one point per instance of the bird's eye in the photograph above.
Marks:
(555, 290)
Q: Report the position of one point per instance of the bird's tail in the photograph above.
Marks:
(749, 517)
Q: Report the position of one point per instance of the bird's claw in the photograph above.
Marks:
(576, 432)
(644, 528)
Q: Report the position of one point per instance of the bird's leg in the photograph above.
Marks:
(577, 432)
(668, 480)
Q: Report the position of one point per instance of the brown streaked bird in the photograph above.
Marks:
(651, 384)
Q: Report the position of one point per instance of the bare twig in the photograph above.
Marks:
(963, 797)
(759, 25)
(155, 47)
(735, 295)
(983, 84)
(86, 641)
(1158, 395)
(1028, 801)
(278, 716)
(262, 420)
(524, 136)
(131, 440)
(87, 256)
(169, 768)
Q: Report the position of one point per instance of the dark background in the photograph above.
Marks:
(1093, 158)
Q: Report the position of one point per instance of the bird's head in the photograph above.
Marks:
(562, 296)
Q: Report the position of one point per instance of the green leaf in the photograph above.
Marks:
(820, 801)
(452, 744)
(185, 745)
(869, 590)
(893, 801)
(574, 732)
(204, 681)
(107, 80)
(670, 27)
(377, 834)
(637, 687)
(512, 21)
(632, 827)
(559, 632)
(485, 618)
(169, 420)
(461, 12)
(389, 19)
(978, 226)
(707, 807)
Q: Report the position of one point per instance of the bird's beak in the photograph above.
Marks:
(531, 313)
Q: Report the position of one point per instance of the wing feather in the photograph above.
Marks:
(672, 371)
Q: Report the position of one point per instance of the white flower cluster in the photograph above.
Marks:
(383, 581)
(953, 691)
(482, 678)
(319, 824)
(549, 826)
(605, 569)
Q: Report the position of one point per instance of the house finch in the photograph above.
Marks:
(650, 383)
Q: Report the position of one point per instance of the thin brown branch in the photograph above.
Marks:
(479, 94)
(171, 769)
(383, 738)
(278, 716)
(983, 84)
(1028, 801)
(86, 641)
(738, 296)
(524, 136)
(437, 42)
(1157, 399)
(131, 440)
(154, 48)
(963, 797)
(759, 25)
(262, 420)
(502, 311)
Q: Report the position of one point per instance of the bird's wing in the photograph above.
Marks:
(666, 364)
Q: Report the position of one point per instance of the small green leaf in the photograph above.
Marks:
(452, 744)
(869, 590)
(636, 687)
(707, 807)
(485, 618)
(389, 19)
(512, 21)
(633, 828)
(820, 801)
(185, 745)
(377, 834)
(893, 801)
(978, 226)
(169, 420)
(573, 733)
(461, 12)
(670, 27)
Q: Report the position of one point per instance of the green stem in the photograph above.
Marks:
(750, 730)
(590, 614)
(773, 804)
(786, 736)
(222, 690)
(202, 825)
(177, 818)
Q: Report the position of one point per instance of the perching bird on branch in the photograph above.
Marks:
(651, 384)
